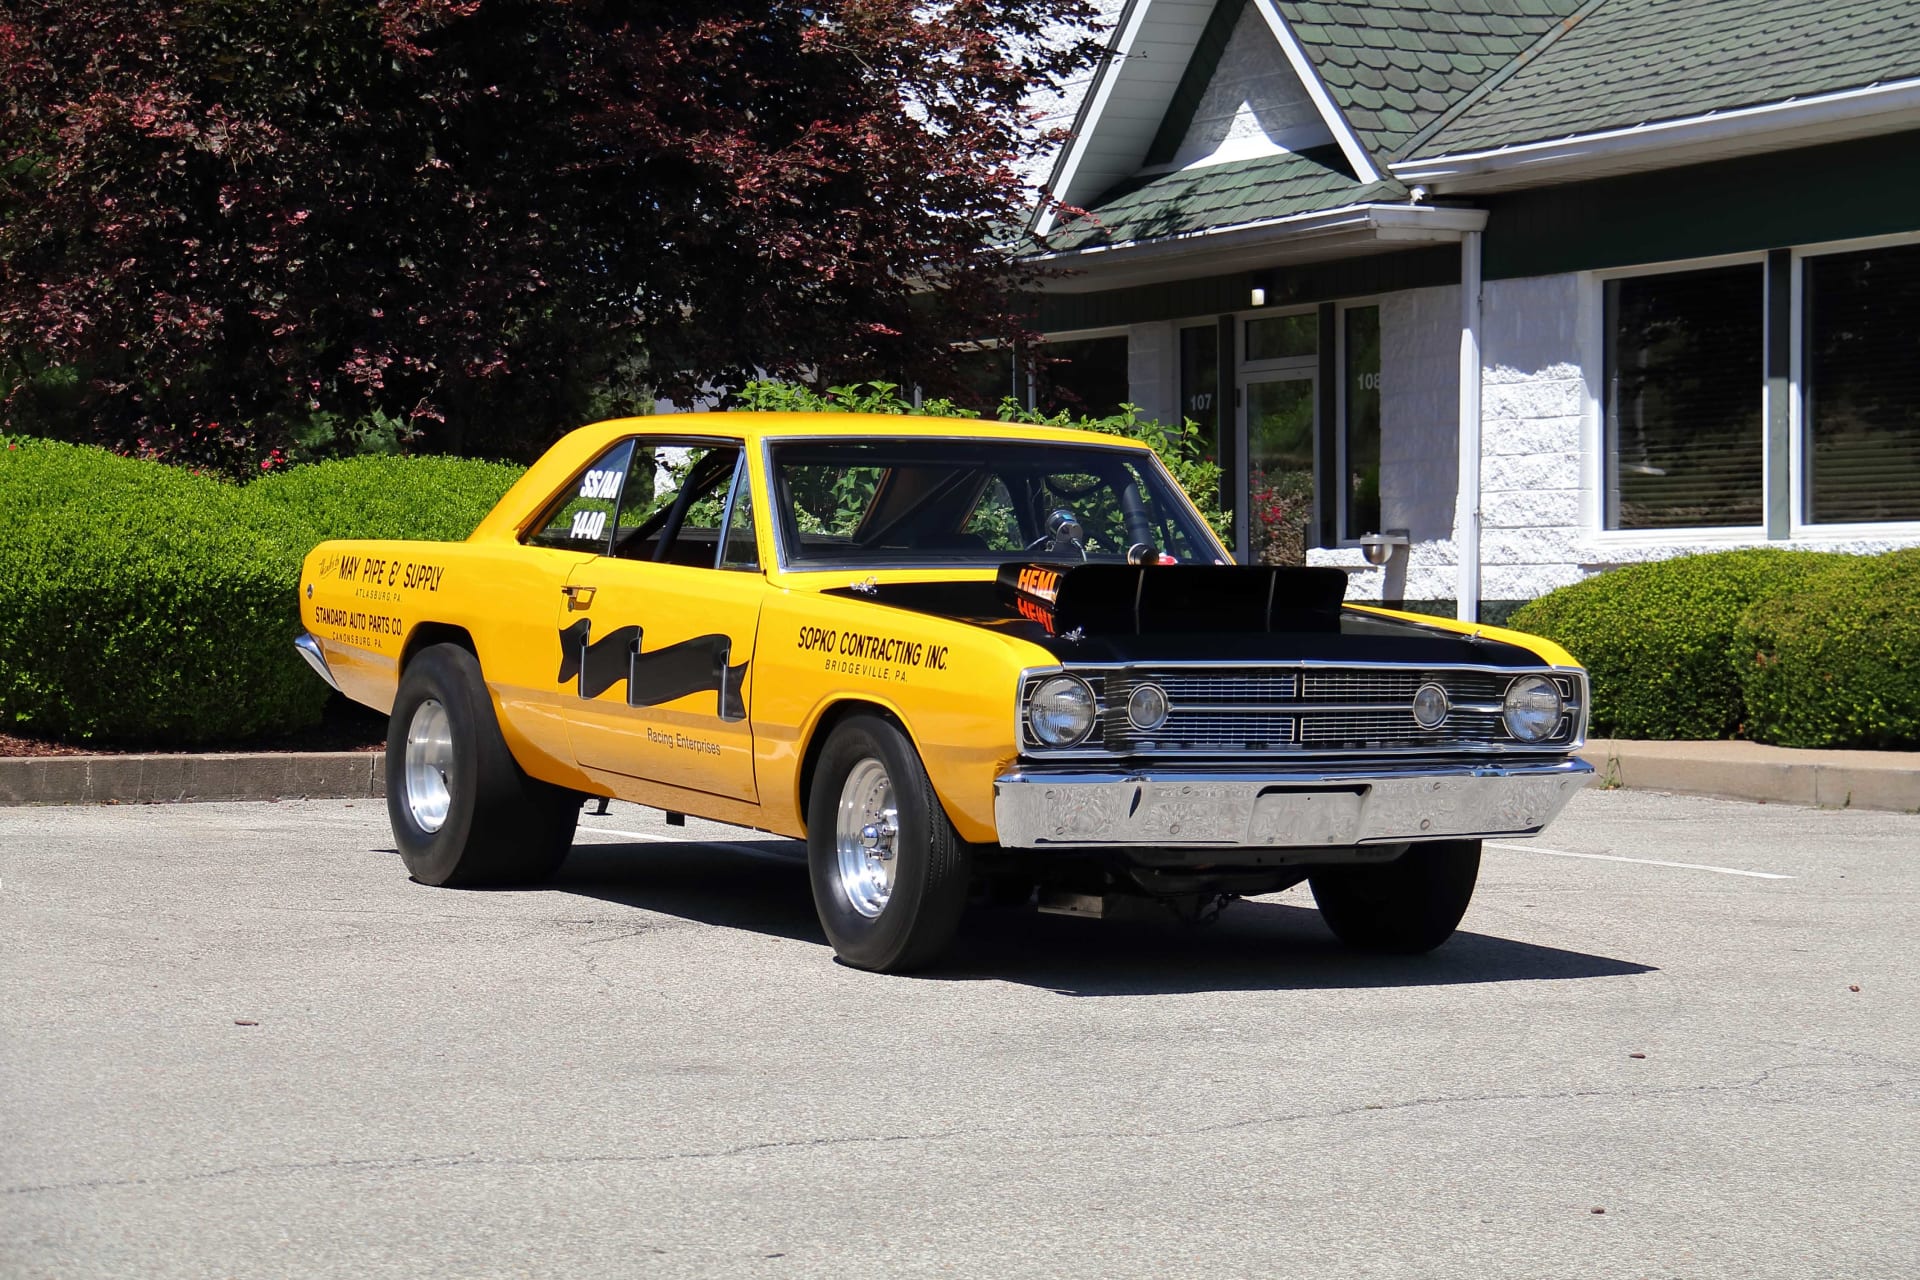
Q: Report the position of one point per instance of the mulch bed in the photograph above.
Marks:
(344, 726)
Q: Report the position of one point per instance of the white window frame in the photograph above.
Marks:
(1281, 369)
(1592, 302)
(1798, 527)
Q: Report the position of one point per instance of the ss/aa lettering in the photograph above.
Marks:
(600, 484)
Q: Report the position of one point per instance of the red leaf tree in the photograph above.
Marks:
(229, 227)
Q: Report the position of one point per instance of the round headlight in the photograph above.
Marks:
(1147, 708)
(1430, 706)
(1060, 713)
(1533, 708)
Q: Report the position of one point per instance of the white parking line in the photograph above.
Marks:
(1645, 862)
(656, 838)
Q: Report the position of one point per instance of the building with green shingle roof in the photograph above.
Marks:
(1512, 290)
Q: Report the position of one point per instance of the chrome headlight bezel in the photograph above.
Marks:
(1044, 701)
(1533, 708)
(1148, 707)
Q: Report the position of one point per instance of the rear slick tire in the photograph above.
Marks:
(464, 813)
(890, 875)
(1404, 907)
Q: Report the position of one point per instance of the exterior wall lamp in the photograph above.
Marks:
(1379, 548)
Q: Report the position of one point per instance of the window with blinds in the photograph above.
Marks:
(1861, 380)
(1684, 379)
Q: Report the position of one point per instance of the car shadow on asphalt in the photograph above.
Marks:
(1262, 944)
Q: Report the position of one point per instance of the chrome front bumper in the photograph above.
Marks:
(1291, 808)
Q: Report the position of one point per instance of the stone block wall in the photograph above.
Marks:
(1153, 370)
(1533, 402)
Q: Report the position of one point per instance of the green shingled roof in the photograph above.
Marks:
(1394, 68)
(1222, 195)
(1630, 62)
(1432, 77)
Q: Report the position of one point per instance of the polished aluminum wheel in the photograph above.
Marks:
(866, 829)
(429, 761)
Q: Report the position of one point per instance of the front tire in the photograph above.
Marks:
(889, 872)
(1404, 907)
(464, 813)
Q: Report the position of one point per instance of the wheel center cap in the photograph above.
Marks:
(877, 838)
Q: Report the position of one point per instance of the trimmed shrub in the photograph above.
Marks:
(1836, 662)
(1656, 638)
(137, 607)
(145, 604)
(434, 499)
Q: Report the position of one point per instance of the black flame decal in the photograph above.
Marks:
(691, 666)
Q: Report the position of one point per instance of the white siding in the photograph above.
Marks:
(1255, 104)
(1057, 110)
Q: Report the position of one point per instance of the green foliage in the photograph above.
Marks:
(1179, 447)
(231, 228)
(147, 604)
(1656, 638)
(1836, 662)
(436, 499)
(137, 607)
(326, 434)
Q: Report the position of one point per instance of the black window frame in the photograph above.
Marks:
(1609, 501)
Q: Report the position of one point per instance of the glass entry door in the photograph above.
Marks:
(1280, 417)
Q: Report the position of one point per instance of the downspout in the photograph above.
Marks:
(1466, 517)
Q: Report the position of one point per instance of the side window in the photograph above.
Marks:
(740, 551)
(583, 520)
(674, 497)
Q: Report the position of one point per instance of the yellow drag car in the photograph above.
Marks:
(962, 660)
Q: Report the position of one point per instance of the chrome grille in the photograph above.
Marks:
(1282, 710)
(1201, 730)
(1399, 686)
(1397, 729)
(1230, 686)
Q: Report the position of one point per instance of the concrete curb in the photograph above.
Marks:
(1736, 770)
(137, 779)
(1751, 771)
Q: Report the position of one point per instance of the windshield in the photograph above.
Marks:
(915, 502)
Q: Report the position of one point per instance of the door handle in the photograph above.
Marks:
(578, 598)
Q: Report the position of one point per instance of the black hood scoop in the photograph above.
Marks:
(1135, 600)
(1183, 613)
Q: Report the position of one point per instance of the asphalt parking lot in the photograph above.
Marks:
(236, 1040)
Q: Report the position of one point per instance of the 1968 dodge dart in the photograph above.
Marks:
(962, 660)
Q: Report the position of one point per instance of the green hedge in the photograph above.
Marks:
(136, 607)
(435, 499)
(144, 604)
(1836, 662)
(1656, 638)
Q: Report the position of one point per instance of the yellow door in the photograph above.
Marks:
(658, 637)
